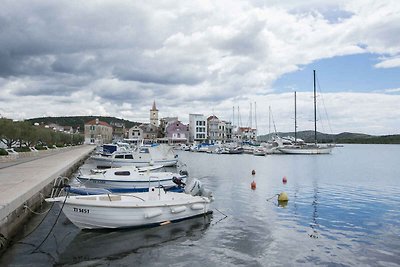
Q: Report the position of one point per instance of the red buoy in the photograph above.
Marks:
(284, 180)
(253, 172)
(253, 185)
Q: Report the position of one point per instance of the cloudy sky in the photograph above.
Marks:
(114, 58)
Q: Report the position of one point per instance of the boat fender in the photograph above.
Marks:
(197, 206)
(152, 214)
(253, 185)
(178, 209)
(283, 197)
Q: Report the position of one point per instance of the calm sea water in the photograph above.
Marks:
(343, 210)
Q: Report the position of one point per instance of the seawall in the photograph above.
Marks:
(27, 182)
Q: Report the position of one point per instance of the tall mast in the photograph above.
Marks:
(269, 122)
(238, 117)
(233, 115)
(295, 119)
(255, 117)
(250, 125)
(315, 111)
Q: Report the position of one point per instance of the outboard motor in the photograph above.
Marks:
(194, 188)
(183, 173)
(206, 193)
(178, 181)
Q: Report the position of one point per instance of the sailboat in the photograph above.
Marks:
(308, 149)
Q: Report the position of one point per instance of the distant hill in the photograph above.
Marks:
(79, 121)
(342, 138)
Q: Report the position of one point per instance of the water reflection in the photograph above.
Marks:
(314, 224)
(95, 245)
(339, 213)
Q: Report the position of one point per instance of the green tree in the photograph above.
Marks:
(44, 136)
(9, 132)
(28, 134)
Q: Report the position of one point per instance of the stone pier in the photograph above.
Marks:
(25, 182)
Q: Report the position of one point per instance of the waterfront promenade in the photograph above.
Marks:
(23, 179)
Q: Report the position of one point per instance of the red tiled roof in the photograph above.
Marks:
(93, 122)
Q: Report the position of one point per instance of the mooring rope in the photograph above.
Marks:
(37, 213)
(52, 227)
(268, 199)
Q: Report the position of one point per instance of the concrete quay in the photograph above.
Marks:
(24, 182)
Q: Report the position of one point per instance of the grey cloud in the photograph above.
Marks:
(43, 89)
(77, 64)
(166, 76)
(246, 41)
(117, 96)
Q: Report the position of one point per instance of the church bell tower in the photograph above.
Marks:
(154, 115)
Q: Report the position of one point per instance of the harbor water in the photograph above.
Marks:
(343, 210)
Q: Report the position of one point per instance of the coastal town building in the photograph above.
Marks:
(197, 128)
(98, 132)
(135, 133)
(213, 132)
(218, 131)
(57, 128)
(246, 134)
(177, 132)
(119, 131)
(154, 115)
(150, 132)
(163, 124)
(225, 131)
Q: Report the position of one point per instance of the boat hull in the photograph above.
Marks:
(306, 151)
(131, 210)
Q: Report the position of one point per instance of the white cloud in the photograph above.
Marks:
(389, 63)
(116, 57)
(393, 90)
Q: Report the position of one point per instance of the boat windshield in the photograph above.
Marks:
(144, 150)
(122, 173)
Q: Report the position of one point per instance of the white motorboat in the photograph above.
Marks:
(128, 177)
(90, 246)
(259, 151)
(140, 169)
(157, 154)
(155, 207)
(108, 149)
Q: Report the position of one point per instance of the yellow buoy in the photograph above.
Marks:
(283, 197)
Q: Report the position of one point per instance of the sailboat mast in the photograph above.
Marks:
(269, 122)
(295, 119)
(255, 117)
(315, 111)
